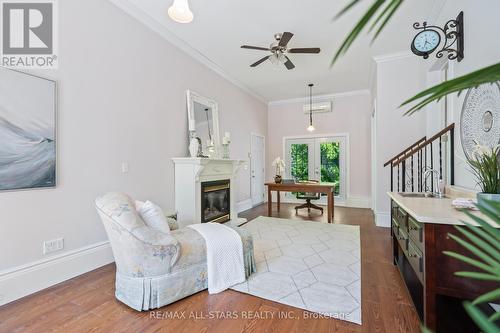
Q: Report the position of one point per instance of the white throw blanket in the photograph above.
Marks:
(224, 256)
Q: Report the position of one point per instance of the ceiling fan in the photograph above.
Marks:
(279, 51)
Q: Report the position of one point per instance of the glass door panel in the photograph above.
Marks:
(330, 164)
(299, 159)
(321, 159)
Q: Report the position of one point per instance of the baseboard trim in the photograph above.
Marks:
(24, 280)
(243, 205)
(359, 202)
(383, 219)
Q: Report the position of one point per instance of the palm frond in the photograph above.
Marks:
(475, 250)
(480, 318)
(479, 276)
(347, 8)
(480, 243)
(495, 316)
(391, 9)
(485, 75)
(379, 13)
(491, 296)
(482, 237)
(471, 262)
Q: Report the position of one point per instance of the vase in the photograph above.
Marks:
(193, 147)
(278, 179)
(482, 197)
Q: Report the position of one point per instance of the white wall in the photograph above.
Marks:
(398, 78)
(351, 114)
(482, 48)
(121, 98)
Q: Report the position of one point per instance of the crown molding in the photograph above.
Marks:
(157, 27)
(320, 97)
(392, 56)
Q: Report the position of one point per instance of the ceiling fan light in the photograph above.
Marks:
(310, 128)
(180, 12)
(277, 59)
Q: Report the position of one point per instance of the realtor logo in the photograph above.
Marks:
(28, 34)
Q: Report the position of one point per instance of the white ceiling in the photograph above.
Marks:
(220, 27)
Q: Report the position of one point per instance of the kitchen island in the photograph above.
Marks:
(419, 228)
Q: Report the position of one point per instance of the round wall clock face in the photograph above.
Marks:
(480, 118)
(425, 42)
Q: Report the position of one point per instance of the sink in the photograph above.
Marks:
(419, 195)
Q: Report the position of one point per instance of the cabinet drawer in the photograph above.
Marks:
(416, 232)
(416, 259)
(401, 217)
(402, 238)
(395, 227)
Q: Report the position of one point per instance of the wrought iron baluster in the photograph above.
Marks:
(403, 175)
(425, 168)
(452, 156)
(432, 167)
(392, 180)
(440, 159)
(398, 177)
(412, 189)
(419, 184)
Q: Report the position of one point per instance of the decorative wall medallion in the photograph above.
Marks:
(480, 118)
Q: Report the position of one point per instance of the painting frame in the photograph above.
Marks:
(54, 130)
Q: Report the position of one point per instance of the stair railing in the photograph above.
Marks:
(408, 176)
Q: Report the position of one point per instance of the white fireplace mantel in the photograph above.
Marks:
(190, 172)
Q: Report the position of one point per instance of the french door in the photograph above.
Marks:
(319, 158)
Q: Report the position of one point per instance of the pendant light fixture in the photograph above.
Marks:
(310, 128)
(180, 12)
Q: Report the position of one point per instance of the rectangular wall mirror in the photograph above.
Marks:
(203, 119)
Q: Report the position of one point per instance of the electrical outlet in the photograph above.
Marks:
(53, 245)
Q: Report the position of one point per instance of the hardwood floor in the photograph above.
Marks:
(87, 304)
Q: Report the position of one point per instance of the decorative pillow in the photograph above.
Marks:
(169, 214)
(153, 216)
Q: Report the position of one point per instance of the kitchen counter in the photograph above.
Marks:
(433, 210)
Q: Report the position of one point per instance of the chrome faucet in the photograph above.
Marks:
(437, 189)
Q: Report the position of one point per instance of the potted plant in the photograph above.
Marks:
(486, 167)
(279, 167)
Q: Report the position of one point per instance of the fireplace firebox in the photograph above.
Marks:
(215, 201)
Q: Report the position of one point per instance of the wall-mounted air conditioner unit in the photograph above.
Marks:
(319, 107)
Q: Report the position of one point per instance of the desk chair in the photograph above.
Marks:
(308, 197)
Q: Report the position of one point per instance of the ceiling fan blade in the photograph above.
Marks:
(260, 61)
(254, 47)
(285, 38)
(305, 50)
(289, 64)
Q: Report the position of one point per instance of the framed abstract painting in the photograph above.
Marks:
(27, 131)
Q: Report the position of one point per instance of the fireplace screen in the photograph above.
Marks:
(215, 201)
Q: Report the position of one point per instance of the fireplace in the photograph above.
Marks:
(215, 201)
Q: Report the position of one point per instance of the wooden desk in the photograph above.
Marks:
(323, 188)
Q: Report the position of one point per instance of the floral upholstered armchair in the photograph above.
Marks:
(153, 268)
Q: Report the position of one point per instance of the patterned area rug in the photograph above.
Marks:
(309, 265)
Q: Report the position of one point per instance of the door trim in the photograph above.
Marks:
(347, 157)
(252, 134)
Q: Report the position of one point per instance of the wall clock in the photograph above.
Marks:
(480, 118)
(429, 38)
(425, 42)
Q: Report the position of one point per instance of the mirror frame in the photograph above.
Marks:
(195, 97)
